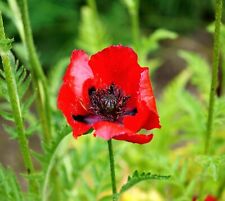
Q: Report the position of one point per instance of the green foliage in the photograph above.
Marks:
(78, 169)
(48, 159)
(23, 81)
(5, 44)
(9, 187)
(150, 44)
(219, 115)
(92, 34)
(200, 72)
(138, 177)
(213, 165)
(211, 28)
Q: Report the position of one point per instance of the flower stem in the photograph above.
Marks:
(39, 80)
(16, 108)
(112, 169)
(214, 81)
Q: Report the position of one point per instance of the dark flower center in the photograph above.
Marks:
(108, 103)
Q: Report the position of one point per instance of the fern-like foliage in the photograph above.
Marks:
(138, 177)
(200, 72)
(9, 187)
(23, 80)
(92, 34)
(5, 44)
(213, 165)
(150, 44)
(48, 158)
(219, 115)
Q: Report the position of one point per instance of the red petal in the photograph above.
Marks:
(135, 138)
(147, 116)
(118, 65)
(80, 128)
(210, 198)
(145, 90)
(70, 99)
(78, 71)
(109, 130)
(69, 104)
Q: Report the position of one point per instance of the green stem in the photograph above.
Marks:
(133, 8)
(214, 81)
(220, 189)
(135, 26)
(112, 169)
(16, 107)
(92, 5)
(223, 74)
(39, 80)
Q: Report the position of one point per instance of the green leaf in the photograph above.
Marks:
(5, 44)
(200, 71)
(9, 188)
(219, 114)
(212, 165)
(48, 158)
(152, 42)
(6, 115)
(91, 26)
(138, 177)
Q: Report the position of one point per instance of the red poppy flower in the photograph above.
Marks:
(210, 198)
(110, 93)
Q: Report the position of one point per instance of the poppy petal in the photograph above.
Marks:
(78, 71)
(146, 116)
(135, 138)
(69, 104)
(210, 198)
(118, 65)
(109, 130)
(70, 98)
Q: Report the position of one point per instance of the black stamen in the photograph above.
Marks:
(108, 103)
(80, 118)
(91, 91)
(131, 112)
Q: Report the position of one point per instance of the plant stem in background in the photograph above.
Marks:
(133, 9)
(214, 81)
(92, 5)
(135, 22)
(112, 169)
(16, 108)
(223, 75)
(39, 80)
(220, 189)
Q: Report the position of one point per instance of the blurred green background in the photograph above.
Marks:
(56, 23)
(171, 37)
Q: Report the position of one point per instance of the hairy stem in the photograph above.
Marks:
(39, 80)
(112, 169)
(16, 107)
(214, 81)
